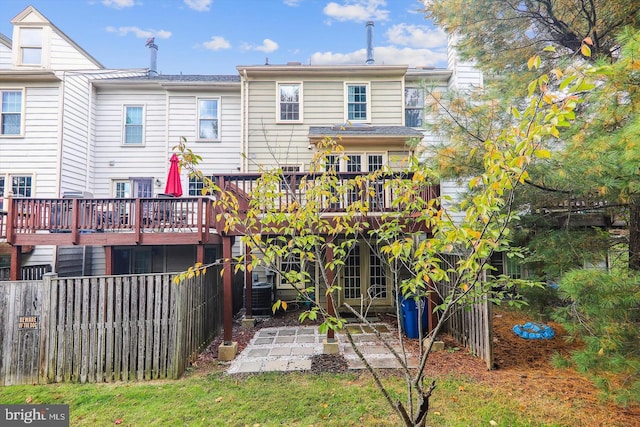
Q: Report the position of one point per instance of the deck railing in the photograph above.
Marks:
(35, 215)
(25, 216)
(354, 187)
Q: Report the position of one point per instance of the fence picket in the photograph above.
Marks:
(102, 329)
(117, 347)
(126, 326)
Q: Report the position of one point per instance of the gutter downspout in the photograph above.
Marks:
(244, 116)
(60, 148)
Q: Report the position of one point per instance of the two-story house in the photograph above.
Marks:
(74, 131)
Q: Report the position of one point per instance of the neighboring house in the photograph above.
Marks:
(65, 132)
(45, 116)
(138, 121)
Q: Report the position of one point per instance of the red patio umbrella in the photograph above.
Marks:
(174, 186)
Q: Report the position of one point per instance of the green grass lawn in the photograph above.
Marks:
(269, 399)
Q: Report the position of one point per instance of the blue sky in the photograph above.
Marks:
(213, 36)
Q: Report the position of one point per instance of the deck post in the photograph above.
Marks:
(15, 272)
(228, 349)
(248, 283)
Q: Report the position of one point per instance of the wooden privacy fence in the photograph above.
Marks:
(108, 328)
(469, 324)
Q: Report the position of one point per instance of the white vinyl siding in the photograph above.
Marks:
(36, 151)
(5, 56)
(224, 155)
(169, 117)
(112, 160)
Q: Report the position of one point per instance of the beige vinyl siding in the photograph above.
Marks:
(323, 105)
(149, 159)
(387, 107)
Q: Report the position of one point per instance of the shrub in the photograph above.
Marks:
(603, 309)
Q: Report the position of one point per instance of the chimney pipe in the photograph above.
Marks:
(370, 59)
(153, 56)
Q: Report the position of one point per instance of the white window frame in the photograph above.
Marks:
(342, 159)
(200, 118)
(279, 103)
(294, 264)
(125, 124)
(363, 277)
(367, 86)
(24, 46)
(196, 185)
(128, 191)
(7, 188)
(21, 113)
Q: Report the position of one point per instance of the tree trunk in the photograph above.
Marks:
(634, 234)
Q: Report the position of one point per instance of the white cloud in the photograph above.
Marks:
(199, 5)
(139, 33)
(385, 55)
(418, 36)
(292, 3)
(267, 45)
(118, 4)
(217, 43)
(357, 10)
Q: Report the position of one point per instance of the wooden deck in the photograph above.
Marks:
(109, 222)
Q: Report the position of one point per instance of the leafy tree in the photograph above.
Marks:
(286, 215)
(596, 162)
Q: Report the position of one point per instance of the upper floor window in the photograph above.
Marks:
(11, 112)
(133, 124)
(209, 119)
(31, 46)
(413, 106)
(289, 102)
(357, 102)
